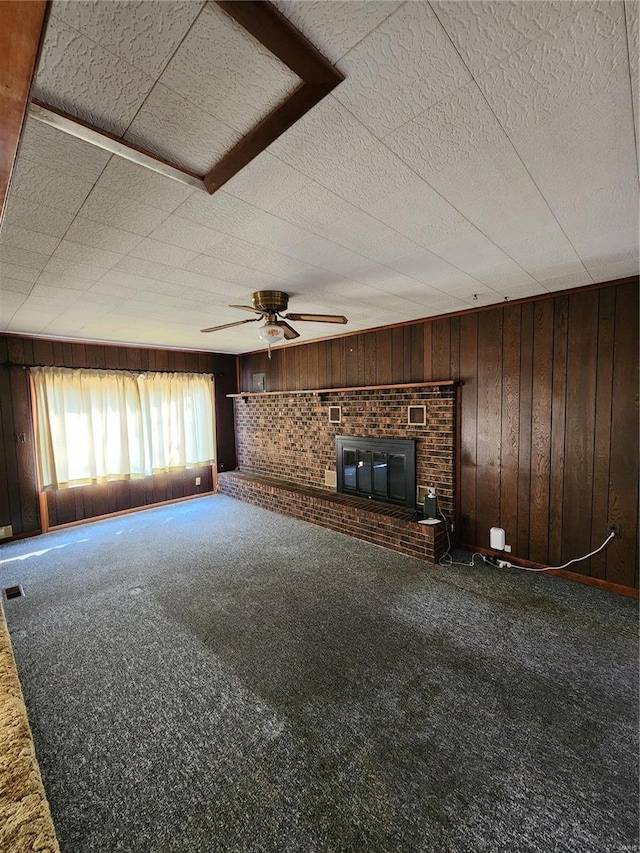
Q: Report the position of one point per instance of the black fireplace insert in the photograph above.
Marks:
(383, 469)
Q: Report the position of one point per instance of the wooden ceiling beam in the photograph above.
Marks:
(108, 142)
(278, 35)
(22, 27)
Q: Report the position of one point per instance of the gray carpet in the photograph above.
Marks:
(210, 676)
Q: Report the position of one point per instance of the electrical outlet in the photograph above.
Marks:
(507, 548)
(502, 564)
(615, 529)
(198, 481)
(6, 531)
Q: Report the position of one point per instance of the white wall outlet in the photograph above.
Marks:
(507, 548)
(6, 531)
(198, 481)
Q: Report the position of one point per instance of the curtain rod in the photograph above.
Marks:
(10, 364)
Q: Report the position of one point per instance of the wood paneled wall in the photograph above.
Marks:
(548, 413)
(19, 503)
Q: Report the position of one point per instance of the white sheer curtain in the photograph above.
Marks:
(100, 425)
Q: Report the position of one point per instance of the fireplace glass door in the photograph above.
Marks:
(377, 468)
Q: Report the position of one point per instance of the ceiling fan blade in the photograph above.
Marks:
(229, 325)
(289, 332)
(318, 318)
(248, 308)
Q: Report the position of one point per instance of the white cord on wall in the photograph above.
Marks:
(611, 536)
(446, 559)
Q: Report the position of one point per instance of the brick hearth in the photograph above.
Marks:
(382, 524)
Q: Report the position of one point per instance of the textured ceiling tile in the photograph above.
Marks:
(144, 33)
(60, 295)
(22, 257)
(28, 321)
(370, 176)
(373, 239)
(220, 211)
(521, 291)
(485, 33)
(163, 253)
(181, 232)
(85, 272)
(239, 82)
(143, 185)
(85, 80)
(565, 102)
(265, 182)
(23, 238)
(114, 210)
(632, 14)
(407, 64)
(11, 299)
(69, 251)
(13, 286)
(225, 271)
(478, 256)
(58, 152)
(36, 183)
(100, 236)
(271, 232)
(583, 57)
(426, 267)
(249, 255)
(459, 148)
(314, 208)
(323, 253)
(335, 27)
(145, 267)
(17, 272)
(36, 217)
(322, 139)
(172, 127)
(422, 215)
(51, 278)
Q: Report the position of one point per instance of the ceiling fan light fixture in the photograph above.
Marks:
(271, 333)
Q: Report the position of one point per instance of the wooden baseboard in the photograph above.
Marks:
(619, 589)
(104, 516)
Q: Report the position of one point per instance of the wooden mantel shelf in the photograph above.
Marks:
(317, 392)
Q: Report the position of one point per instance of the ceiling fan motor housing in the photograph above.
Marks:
(270, 301)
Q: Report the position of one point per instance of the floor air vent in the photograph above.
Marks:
(13, 592)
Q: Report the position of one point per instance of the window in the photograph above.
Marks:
(100, 425)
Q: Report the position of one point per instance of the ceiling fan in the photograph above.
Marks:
(269, 304)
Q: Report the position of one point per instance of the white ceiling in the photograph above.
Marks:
(476, 151)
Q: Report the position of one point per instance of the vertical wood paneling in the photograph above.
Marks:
(510, 437)
(468, 426)
(440, 348)
(488, 425)
(524, 445)
(580, 420)
(541, 430)
(384, 367)
(427, 369)
(397, 355)
(602, 439)
(558, 432)
(623, 475)
(5, 511)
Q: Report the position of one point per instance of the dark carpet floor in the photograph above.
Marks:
(210, 676)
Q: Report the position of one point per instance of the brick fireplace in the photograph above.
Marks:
(286, 451)
(290, 437)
